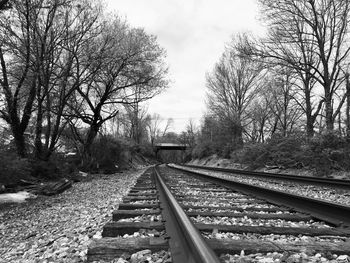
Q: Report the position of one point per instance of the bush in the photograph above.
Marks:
(226, 151)
(329, 151)
(45, 169)
(106, 155)
(284, 152)
(144, 149)
(13, 169)
(203, 149)
(254, 155)
(322, 153)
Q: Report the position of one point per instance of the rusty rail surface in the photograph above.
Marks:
(186, 243)
(338, 183)
(335, 214)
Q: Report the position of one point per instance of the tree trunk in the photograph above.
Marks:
(19, 141)
(17, 123)
(87, 160)
(238, 136)
(329, 111)
(39, 127)
(48, 122)
(274, 126)
(347, 106)
(261, 130)
(308, 111)
(339, 123)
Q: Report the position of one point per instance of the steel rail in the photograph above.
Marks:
(186, 243)
(339, 183)
(335, 214)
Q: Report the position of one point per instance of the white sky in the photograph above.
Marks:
(194, 33)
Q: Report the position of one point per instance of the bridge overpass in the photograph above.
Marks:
(170, 146)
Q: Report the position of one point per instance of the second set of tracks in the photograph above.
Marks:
(192, 218)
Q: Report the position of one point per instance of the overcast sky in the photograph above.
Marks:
(194, 34)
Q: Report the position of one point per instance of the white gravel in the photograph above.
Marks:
(143, 202)
(245, 221)
(228, 209)
(214, 194)
(324, 193)
(207, 200)
(59, 228)
(283, 239)
(146, 233)
(275, 257)
(142, 256)
(143, 218)
(228, 204)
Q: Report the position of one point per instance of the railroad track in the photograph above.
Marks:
(328, 182)
(204, 220)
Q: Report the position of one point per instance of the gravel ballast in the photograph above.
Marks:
(59, 228)
(245, 221)
(339, 196)
(198, 198)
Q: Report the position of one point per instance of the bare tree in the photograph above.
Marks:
(347, 110)
(311, 37)
(260, 115)
(127, 65)
(155, 127)
(285, 111)
(19, 76)
(232, 86)
(66, 62)
(190, 134)
(138, 122)
(60, 38)
(39, 49)
(167, 127)
(191, 130)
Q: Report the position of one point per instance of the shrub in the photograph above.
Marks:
(330, 151)
(106, 154)
(203, 149)
(322, 153)
(13, 169)
(145, 149)
(285, 151)
(226, 151)
(254, 155)
(44, 169)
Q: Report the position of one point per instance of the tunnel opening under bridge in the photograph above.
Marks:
(170, 152)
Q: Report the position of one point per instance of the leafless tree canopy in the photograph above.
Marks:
(293, 79)
(69, 64)
(232, 87)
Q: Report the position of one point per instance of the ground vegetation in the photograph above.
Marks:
(282, 99)
(69, 70)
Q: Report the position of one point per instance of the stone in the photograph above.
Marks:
(318, 255)
(293, 259)
(284, 256)
(98, 235)
(342, 257)
(140, 254)
(266, 260)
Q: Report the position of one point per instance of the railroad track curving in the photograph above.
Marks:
(328, 182)
(202, 219)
